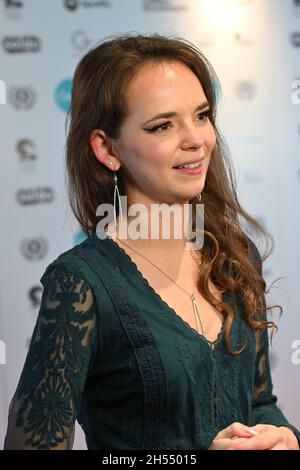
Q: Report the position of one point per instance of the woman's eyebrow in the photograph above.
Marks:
(169, 114)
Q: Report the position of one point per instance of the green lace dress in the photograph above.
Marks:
(108, 351)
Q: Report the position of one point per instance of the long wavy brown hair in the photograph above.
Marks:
(99, 102)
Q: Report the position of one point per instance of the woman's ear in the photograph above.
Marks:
(102, 148)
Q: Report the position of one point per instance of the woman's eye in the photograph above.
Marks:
(164, 126)
(204, 115)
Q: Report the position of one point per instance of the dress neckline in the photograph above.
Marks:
(163, 303)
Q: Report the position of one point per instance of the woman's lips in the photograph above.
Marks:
(190, 171)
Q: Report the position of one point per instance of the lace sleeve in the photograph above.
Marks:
(43, 409)
(264, 407)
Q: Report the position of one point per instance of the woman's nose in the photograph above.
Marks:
(192, 137)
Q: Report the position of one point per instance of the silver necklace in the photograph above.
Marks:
(192, 296)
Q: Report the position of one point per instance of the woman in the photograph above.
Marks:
(148, 344)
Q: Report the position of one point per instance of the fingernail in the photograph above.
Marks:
(251, 431)
(232, 448)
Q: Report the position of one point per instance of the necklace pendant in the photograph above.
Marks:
(197, 315)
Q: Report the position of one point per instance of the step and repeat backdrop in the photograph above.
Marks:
(254, 46)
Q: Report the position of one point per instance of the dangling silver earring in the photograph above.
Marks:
(117, 195)
(199, 196)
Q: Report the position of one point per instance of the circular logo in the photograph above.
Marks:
(63, 94)
(34, 249)
(22, 98)
(245, 90)
(80, 40)
(71, 5)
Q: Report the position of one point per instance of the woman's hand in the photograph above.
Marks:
(269, 437)
(236, 433)
(237, 436)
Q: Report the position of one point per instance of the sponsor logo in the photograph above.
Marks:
(29, 197)
(20, 44)
(62, 94)
(164, 5)
(2, 92)
(13, 8)
(34, 249)
(245, 89)
(13, 4)
(22, 98)
(35, 296)
(73, 5)
(80, 40)
(295, 38)
(26, 151)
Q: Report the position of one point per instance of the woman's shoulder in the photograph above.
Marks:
(86, 261)
(254, 251)
(72, 261)
(254, 254)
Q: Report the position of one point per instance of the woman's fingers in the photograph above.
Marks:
(237, 436)
(266, 440)
(225, 444)
(236, 430)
